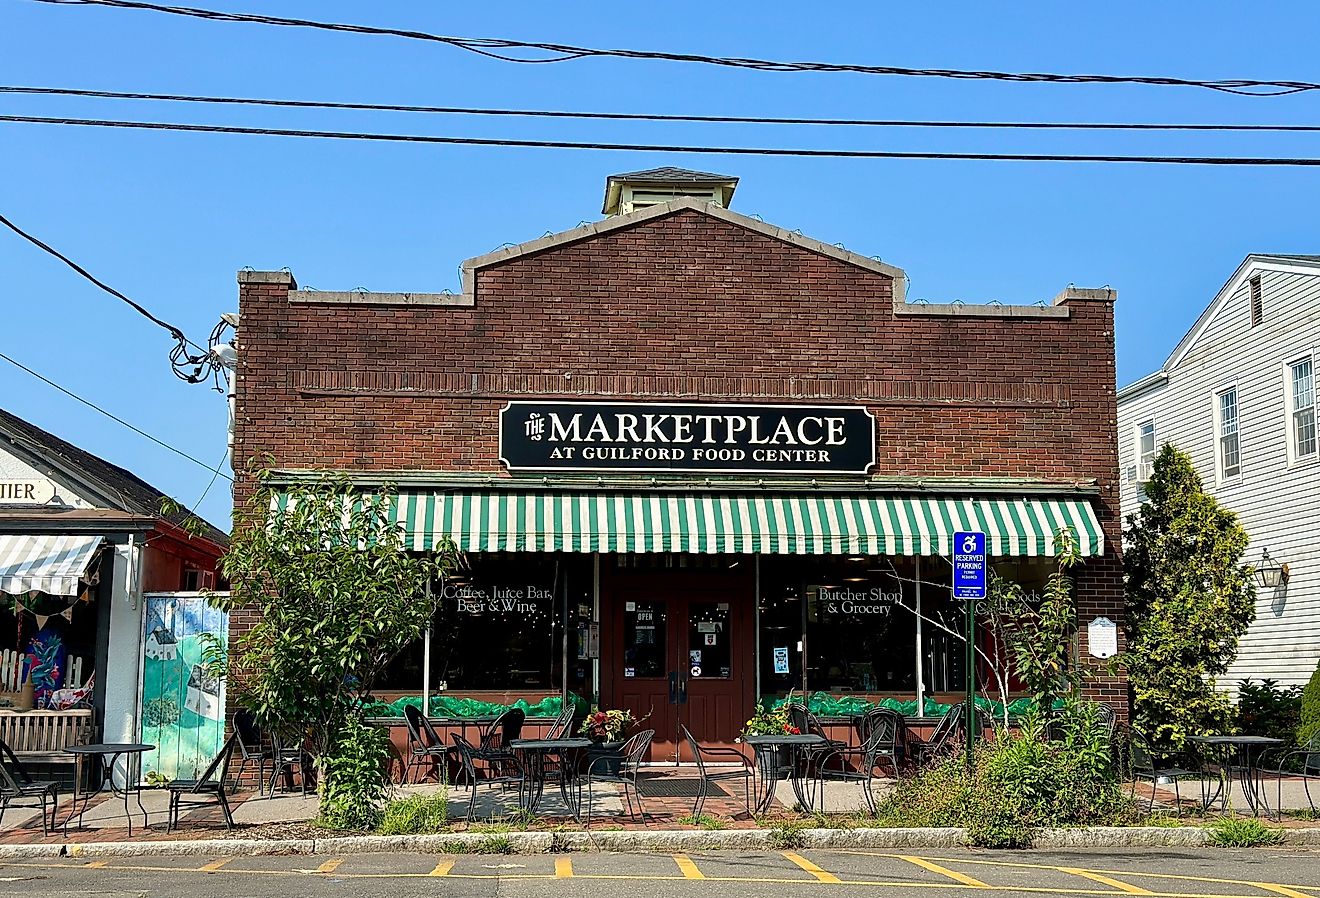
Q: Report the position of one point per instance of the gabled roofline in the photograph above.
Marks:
(1149, 382)
(618, 222)
(1250, 265)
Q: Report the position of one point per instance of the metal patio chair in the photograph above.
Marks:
(942, 741)
(210, 786)
(425, 748)
(1144, 765)
(808, 723)
(16, 784)
(285, 756)
(858, 763)
(501, 766)
(252, 747)
(1305, 765)
(701, 755)
(634, 753)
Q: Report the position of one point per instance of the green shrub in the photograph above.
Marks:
(416, 815)
(1309, 723)
(1268, 709)
(1243, 832)
(1018, 784)
(355, 777)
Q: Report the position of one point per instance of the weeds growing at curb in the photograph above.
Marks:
(419, 814)
(788, 835)
(705, 821)
(1243, 832)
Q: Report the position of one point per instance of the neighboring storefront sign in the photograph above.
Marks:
(865, 601)
(732, 438)
(26, 492)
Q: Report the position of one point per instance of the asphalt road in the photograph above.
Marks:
(1164, 873)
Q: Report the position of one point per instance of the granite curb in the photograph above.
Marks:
(636, 840)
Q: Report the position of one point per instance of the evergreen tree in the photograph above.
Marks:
(1189, 600)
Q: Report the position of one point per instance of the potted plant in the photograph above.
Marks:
(605, 729)
(772, 721)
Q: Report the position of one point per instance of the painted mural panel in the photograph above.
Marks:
(182, 705)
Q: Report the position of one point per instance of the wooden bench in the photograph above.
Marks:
(42, 736)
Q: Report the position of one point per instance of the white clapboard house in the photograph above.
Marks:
(1238, 394)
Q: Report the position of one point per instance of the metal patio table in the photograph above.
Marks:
(1236, 756)
(768, 751)
(109, 753)
(534, 753)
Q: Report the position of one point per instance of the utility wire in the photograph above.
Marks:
(194, 367)
(666, 148)
(646, 116)
(113, 417)
(489, 47)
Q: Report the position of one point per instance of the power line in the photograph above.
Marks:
(116, 418)
(1276, 161)
(192, 367)
(489, 47)
(647, 116)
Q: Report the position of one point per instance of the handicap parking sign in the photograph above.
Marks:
(969, 565)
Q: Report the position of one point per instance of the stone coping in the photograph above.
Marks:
(638, 840)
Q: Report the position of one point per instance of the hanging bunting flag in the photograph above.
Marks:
(41, 620)
(67, 614)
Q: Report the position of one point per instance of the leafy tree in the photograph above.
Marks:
(1038, 632)
(336, 596)
(1309, 727)
(1189, 600)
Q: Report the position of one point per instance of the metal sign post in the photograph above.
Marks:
(969, 585)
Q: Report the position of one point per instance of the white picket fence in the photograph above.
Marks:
(11, 671)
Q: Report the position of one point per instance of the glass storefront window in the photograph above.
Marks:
(848, 625)
(709, 640)
(499, 626)
(645, 639)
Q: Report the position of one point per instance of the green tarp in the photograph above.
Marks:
(822, 704)
(449, 706)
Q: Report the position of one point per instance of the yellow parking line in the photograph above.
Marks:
(688, 868)
(1125, 887)
(330, 866)
(214, 865)
(442, 869)
(563, 868)
(1280, 890)
(96, 865)
(943, 871)
(811, 868)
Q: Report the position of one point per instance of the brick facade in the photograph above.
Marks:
(686, 304)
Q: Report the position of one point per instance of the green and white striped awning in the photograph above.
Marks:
(783, 524)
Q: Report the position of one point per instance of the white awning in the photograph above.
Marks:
(49, 564)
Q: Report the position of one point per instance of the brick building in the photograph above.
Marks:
(693, 458)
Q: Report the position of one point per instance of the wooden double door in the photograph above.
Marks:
(680, 647)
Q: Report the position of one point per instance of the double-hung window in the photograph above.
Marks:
(1230, 447)
(1146, 450)
(1301, 423)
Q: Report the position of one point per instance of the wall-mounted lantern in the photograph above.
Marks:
(1269, 573)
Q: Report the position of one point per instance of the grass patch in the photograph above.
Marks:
(420, 814)
(705, 821)
(1243, 832)
(1168, 821)
(491, 844)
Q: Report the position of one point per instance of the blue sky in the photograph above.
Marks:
(169, 218)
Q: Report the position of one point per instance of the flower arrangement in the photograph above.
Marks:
(607, 726)
(770, 721)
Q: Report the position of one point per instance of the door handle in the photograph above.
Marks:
(682, 688)
(673, 687)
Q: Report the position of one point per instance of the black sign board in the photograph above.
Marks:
(672, 437)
